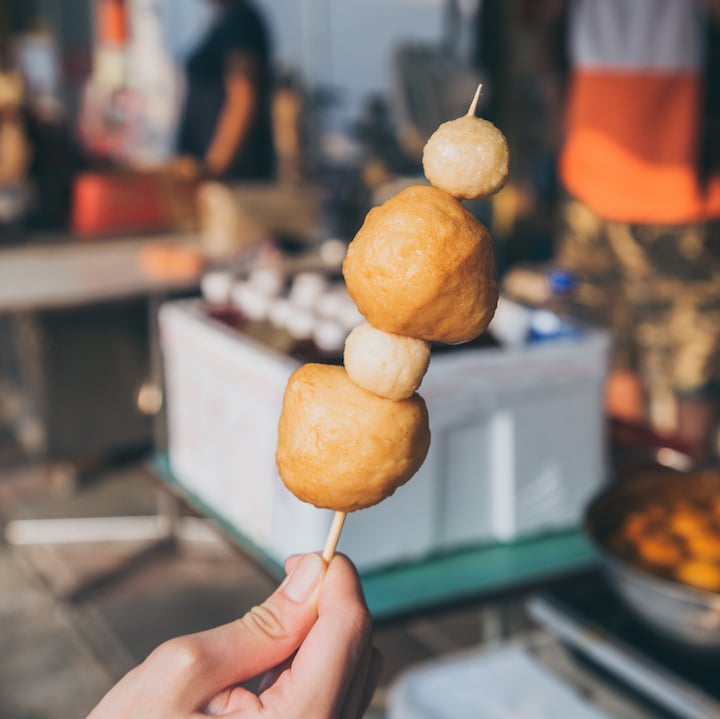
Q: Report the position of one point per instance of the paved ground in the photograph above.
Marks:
(62, 650)
(67, 637)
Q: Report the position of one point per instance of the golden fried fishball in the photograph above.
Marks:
(686, 522)
(343, 448)
(658, 550)
(705, 545)
(389, 365)
(423, 266)
(467, 157)
(703, 575)
(636, 525)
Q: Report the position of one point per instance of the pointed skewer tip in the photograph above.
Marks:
(473, 105)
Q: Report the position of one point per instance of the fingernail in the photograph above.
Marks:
(304, 578)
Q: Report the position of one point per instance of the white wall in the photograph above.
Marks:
(344, 43)
(350, 43)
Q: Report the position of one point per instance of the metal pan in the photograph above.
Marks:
(675, 611)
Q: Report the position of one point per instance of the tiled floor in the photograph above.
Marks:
(63, 650)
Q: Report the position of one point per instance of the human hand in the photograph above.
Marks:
(713, 9)
(185, 168)
(311, 639)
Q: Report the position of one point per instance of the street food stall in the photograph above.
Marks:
(374, 340)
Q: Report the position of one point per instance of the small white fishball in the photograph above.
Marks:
(388, 365)
(467, 157)
(249, 301)
(306, 288)
(268, 280)
(329, 336)
(216, 286)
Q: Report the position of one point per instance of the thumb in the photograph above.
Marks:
(192, 670)
(267, 635)
(270, 633)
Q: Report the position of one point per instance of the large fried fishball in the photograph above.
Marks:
(636, 525)
(687, 523)
(705, 545)
(467, 157)
(389, 365)
(703, 575)
(343, 448)
(659, 550)
(423, 266)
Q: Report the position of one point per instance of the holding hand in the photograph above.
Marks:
(311, 639)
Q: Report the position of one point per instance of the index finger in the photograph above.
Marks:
(323, 667)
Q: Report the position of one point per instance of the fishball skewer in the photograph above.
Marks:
(421, 269)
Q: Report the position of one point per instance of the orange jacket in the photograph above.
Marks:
(632, 143)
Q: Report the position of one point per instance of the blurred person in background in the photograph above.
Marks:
(640, 165)
(225, 123)
(15, 151)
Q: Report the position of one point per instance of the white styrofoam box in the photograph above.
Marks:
(224, 395)
(517, 438)
(483, 683)
(517, 443)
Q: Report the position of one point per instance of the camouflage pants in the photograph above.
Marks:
(657, 288)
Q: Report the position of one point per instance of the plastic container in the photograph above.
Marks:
(538, 286)
(517, 443)
(483, 683)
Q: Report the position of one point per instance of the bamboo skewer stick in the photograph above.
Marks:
(473, 105)
(333, 535)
